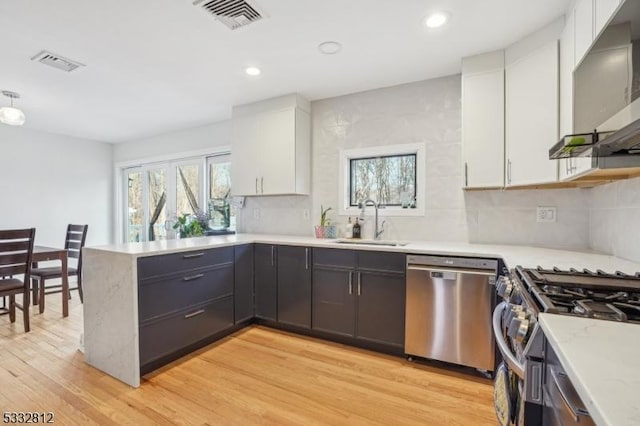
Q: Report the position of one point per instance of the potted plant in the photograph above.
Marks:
(325, 229)
(188, 227)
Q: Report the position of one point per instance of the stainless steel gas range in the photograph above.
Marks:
(531, 387)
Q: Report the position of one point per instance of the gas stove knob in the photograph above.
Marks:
(522, 331)
(500, 286)
(514, 312)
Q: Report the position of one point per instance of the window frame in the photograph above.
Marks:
(344, 188)
(120, 183)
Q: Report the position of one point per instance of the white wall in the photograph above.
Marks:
(48, 181)
(195, 139)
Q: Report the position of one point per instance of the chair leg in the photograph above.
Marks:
(41, 304)
(34, 291)
(80, 293)
(12, 308)
(25, 311)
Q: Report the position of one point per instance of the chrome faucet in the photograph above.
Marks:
(377, 231)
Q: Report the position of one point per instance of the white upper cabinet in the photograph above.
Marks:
(590, 18)
(603, 10)
(532, 116)
(483, 120)
(568, 167)
(583, 28)
(271, 148)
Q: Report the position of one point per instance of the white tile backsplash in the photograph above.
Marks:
(614, 219)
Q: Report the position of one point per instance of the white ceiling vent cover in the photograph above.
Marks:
(233, 13)
(56, 61)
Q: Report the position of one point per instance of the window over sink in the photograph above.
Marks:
(392, 176)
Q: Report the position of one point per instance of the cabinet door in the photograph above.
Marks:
(294, 286)
(583, 30)
(604, 10)
(277, 152)
(244, 156)
(532, 117)
(243, 283)
(483, 128)
(381, 307)
(265, 285)
(334, 301)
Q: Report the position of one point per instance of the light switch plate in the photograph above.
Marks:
(546, 214)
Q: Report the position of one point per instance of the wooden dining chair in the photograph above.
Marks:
(16, 250)
(76, 236)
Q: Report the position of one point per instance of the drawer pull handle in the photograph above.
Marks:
(192, 256)
(193, 277)
(194, 314)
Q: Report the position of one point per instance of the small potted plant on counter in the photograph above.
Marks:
(325, 229)
(188, 226)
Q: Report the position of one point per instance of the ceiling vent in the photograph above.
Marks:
(233, 13)
(56, 61)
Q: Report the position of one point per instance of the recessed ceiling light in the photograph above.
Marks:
(253, 71)
(330, 47)
(436, 20)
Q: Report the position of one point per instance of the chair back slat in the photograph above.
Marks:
(14, 258)
(80, 229)
(14, 246)
(15, 234)
(73, 245)
(16, 249)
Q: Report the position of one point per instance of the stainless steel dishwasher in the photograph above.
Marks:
(449, 306)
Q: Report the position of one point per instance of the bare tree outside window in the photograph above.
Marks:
(388, 180)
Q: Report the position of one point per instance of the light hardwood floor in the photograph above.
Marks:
(256, 376)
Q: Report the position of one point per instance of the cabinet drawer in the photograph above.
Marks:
(187, 327)
(334, 257)
(382, 261)
(177, 292)
(169, 263)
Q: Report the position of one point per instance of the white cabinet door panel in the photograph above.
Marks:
(603, 11)
(245, 170)
(532, 117)
(583, 30)
(277, 153)
(483, 129)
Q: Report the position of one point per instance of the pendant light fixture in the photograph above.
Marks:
(10, 115)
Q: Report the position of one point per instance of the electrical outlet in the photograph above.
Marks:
(306, 214)
(545, 214)
(256, 214)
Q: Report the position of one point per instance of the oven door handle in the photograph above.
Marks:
(511, 360)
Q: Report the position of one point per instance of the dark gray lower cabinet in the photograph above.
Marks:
(360, 295)
(184, 300)
(333, 301)
(294, 286)
(381, 307)
(169, 335)
(243, 283)
(265, 284)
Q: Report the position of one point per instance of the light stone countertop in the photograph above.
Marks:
(511, 254)
(602, 359)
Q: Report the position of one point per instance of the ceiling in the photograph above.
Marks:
(154, 66)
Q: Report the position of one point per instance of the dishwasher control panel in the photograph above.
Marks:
(453, 262)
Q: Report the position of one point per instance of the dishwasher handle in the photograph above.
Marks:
(513, 363)
(488, 273)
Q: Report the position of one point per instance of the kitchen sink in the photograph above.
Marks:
(372, 242)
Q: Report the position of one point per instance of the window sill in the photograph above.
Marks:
(385, 212)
